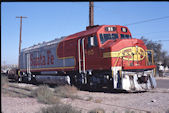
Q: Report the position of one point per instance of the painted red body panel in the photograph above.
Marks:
(139, 67)
(95, 61)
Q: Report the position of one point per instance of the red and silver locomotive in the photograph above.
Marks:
(102, 55)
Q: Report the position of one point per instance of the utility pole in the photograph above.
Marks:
(20, 38)
(91, 13)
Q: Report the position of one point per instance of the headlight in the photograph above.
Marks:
(124, 29)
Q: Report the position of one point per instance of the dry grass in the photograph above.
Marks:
(60, 108)
(4, 81)
(97, 110)
(98, 100)
(45, 95)
(66, 91)
(167, 110)
(129, 111)
(29, 88)
(89, 98)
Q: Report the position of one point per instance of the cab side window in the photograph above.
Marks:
(92, 41)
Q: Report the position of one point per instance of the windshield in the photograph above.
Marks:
(123, 36)
(105, 37)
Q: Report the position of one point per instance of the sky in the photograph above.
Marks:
(49, 20)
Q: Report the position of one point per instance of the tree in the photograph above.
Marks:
(159, 54)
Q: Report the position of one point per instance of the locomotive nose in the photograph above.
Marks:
(129, 49)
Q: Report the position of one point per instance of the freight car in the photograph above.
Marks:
(101, 55)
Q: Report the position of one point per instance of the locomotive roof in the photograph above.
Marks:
(88, 31)
(73, 36)
(84, 33)
(56, 40)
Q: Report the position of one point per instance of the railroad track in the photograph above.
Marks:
(16, 90)
(124, 107)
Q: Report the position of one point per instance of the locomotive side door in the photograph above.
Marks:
(88, 53)
(92, 53)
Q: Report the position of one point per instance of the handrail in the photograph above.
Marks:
(83, 50)
(152, 56)
(152, 60)
(79, 56)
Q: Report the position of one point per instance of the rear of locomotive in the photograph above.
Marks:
(131, 63)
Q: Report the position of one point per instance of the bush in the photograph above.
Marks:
(97, 110)
(167, 110)
(98, 100)
(129, 111)
(4, 81)
(45, 95)
(66, 91)
(60, 109)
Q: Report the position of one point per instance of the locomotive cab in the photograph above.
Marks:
(129, 60)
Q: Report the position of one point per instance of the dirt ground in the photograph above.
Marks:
(154, 101)
(20, 105)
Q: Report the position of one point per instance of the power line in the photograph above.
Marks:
(148, 20)
(162, 40)
(152, 33)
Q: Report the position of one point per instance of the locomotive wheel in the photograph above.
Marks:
(72, 81)
(33, 80)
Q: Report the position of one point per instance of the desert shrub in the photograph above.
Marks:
(45, 95)
(129, 111)
(4, 81)
(89, 98)
(66, 91)
(60, 108)
(167, 110)
(98, 100)
(97, 110)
